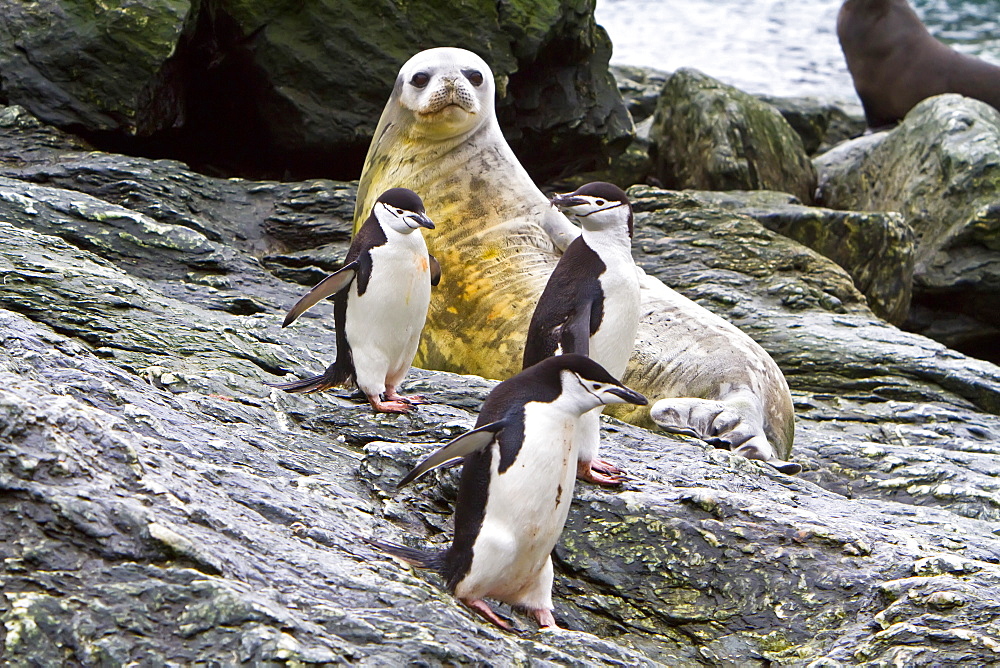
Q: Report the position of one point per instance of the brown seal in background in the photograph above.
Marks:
(895, 62)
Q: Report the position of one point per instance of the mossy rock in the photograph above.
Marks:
(940, 168)
(710, 136)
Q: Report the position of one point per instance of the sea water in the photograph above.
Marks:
(778, 47)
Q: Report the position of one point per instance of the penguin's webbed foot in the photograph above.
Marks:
(390, 406)
(587, 471)
(480, 607)
(545, 618)
(413, 399)
(604, 466)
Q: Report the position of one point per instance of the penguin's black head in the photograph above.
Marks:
(596, 206)
(584, 382)
(401, 210)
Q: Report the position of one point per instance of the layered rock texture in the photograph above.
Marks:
(161, 505)
(941, 169)
(297, 87)
(710, 136)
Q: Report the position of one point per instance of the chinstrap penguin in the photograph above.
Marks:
(590, 304)
(380, 302)
(516, 485)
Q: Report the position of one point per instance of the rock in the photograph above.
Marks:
(263, 89)
(941, 169)
(89, 66)
(821, 125)
(709, 136)
(161, 505)
(876, 249)
(640, 89)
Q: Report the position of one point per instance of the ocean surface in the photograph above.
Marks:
(780, 47)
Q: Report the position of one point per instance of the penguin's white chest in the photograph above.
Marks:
(383, 325)
(526, 509)
(611, 345)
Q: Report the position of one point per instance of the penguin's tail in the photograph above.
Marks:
(332, 377)
(415, 556)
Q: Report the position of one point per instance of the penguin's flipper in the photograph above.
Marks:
(435, 269)
(575, 334)
(411, 555)
(330, 285)
(463, 446)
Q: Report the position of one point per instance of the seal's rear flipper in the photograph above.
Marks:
(723, 424)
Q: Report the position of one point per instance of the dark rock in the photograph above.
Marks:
(821, 125)
(875, 248)
(709, 136)
(939, 168)
(640, 89)
(161, 505)
(297, 88)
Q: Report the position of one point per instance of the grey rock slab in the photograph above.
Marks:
(939, 168)
(802, 308)
(138, 525)
(875, 248)
(710, 136)
(161, 504)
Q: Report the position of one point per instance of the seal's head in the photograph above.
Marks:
(448, 91)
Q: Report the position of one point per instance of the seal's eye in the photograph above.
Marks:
(475, 77)
(420, 79)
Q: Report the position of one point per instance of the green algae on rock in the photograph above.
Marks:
(940, 168)
(710, 136)
(161, 505)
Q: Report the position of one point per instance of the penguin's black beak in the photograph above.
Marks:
(567, 200)
(421, 219)
(629, 396)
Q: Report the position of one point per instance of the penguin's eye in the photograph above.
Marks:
(420, 79)
(475, 77)
(600, 202)
(399, 212)
(596, 386)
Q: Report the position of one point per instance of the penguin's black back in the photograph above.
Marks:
(574, 284)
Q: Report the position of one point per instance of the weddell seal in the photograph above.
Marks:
(895, 62)
(380, 304)
(517, 484)
(498, 238)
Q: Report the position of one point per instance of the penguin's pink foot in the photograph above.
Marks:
(544, 618)
(585, 471)
(392, 395)
(390, 406)
(480, 607)
(604, 466)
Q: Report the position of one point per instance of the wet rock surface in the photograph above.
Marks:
(160, 504)
(874, 248)
(939, 169)
(710, 136)
(296, 88)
